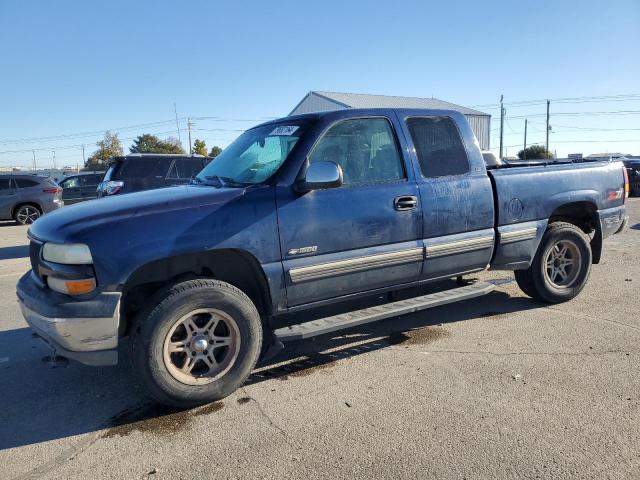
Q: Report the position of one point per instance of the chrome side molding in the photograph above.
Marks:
(459, 246)
(341, 267)
(518, 235)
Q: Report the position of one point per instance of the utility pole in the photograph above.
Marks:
(175, 111)
(84, 160)
(189, 128)
(34, 161)
(524, 151)
(547, 143)
(502, 113)
(54, 159)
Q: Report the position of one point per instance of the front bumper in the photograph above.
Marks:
(83, 330)
(55, 204)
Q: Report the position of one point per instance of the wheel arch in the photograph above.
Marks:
(237, 267)
(22, 203)
(582, 214)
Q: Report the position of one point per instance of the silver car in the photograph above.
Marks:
(24, 198)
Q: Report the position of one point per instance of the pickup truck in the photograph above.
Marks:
(299, 213)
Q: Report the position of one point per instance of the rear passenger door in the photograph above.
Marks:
(89, 186)
(356, 237)
(457, 200)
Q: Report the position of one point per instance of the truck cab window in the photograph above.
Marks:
(365, 149)
(438, 146)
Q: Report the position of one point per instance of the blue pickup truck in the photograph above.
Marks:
(299, 213)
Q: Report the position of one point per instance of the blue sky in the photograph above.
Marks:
(76, 67)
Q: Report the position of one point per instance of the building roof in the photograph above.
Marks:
(362, 100)
(607, 155)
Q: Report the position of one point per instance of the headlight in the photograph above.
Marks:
(67, 253)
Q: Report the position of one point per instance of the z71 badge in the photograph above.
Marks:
(301, 250)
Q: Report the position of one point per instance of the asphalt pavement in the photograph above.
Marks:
(496, 387)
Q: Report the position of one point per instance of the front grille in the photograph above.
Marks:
(34, 255)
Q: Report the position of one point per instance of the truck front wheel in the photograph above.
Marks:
(561, 266)
(198, 344)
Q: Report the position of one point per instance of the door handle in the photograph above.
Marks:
(406, 202)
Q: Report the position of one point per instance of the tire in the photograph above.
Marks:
(525, 282)
(162, 342)
(554, 276)
(27, 214)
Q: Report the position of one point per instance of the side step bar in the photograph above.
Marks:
(380, 312)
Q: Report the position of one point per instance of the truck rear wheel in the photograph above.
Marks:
(198, 344)
(561, 266)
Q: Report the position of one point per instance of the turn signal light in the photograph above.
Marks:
(79, 287)
(72, 287)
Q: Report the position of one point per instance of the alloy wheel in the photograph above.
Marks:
(562, 264)
(201, 346)
(27, 214)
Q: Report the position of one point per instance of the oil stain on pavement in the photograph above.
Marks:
(156, 419)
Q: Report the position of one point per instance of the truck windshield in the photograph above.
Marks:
(253, 157)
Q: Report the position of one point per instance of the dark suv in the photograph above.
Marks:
(633, 172)
(25, 198)
(81, 187)
(136, 172)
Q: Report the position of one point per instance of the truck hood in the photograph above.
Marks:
(61, 225)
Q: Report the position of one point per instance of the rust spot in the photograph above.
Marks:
(155, 419)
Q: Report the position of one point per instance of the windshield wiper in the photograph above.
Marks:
(227, 181)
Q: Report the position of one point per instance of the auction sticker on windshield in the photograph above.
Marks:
(284, 130)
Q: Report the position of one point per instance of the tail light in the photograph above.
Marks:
(110, 188)
(52, 190)
(626, 184)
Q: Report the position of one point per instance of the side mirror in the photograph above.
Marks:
(320, 175)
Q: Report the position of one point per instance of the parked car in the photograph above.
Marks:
(137, 172)
(633, 171)
(81, 187)
(298, 213)
(24, 198)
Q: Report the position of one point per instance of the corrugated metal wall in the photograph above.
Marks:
(480, 124)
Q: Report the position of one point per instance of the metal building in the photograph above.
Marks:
(316, 101)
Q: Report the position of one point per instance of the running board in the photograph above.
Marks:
(380, 312)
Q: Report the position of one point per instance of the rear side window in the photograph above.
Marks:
(25, 182)
(91, 180)
(365, 149)
(438, 145)
(141, 168)
(185, 168)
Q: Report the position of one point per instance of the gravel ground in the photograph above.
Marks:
(496, 387)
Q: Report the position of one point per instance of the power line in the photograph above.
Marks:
(586, 99)
(129, 127)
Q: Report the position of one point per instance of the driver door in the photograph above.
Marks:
(361, 236)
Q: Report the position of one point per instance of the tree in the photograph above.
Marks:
(148, 143)
(535, 152)
(215, 151)
(108, 148)
(200, 148)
